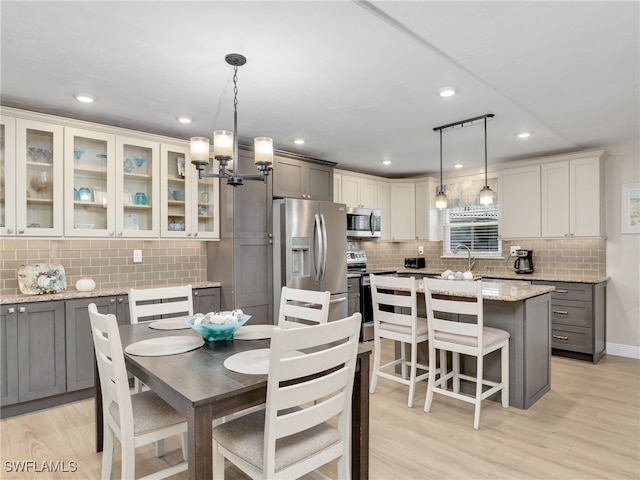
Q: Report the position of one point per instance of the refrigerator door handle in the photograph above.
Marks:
(326, 246)
(318, 253)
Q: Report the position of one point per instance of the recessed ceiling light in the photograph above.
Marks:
(299, 141)
(386, 162)
(458, 165)
(447, 91)
(524, 135)
(184, 120)
(84, 98)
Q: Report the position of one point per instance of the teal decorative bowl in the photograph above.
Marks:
(217, 332)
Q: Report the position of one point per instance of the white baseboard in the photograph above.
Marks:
(623, 350)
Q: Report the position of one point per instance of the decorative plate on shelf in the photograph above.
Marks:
(41, 278)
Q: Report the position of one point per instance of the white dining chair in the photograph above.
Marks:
(137, 419)
(148, 304)
(468, 337)
(303, 307)
(395, 317)
(307, 419)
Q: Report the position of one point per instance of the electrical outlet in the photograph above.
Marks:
(420, 250)
(513, 249)
(137, 256)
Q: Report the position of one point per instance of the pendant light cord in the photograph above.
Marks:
(485, 151)
(441, 186)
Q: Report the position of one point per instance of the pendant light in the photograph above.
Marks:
(486, 194)
(441, 197)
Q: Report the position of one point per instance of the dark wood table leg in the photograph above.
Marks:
(97, 392)
(360, 421)
(199, 443)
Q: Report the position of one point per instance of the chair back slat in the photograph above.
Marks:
(394, 301)
(301, 420)
(303, 307)
(295, 367)
(164, 302)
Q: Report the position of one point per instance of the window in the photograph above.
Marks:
(467, 222)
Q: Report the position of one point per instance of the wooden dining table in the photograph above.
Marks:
(200, 387)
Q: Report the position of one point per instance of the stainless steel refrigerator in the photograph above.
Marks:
(310, 250)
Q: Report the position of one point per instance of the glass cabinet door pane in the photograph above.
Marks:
(207, 203)
(4, 172)
(137, 164)
(40, 179)
(90, 192)
(176, 178)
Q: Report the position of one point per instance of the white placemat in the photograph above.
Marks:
(254, 332)
(169, 324)
(155, 347)
(254, 362)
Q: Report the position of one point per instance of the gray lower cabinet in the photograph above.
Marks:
(32, 351)
(302, 179)
(206, 300)
(8, 355)
(353, 290)
(578, 319)
(80, 354)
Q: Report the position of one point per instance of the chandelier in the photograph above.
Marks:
(225, 143)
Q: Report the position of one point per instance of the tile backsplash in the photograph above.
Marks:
(579, 258)
(108, 262)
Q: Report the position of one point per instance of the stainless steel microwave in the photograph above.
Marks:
(363, 222)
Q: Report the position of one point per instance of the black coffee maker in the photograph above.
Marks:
(524, 261)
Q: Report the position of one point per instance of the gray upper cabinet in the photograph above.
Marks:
(41, 350)
(293, 178)
(8, 355)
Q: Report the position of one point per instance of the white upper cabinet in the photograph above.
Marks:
(573, 197)
(337, 188)
(359, 192)
(189, 205)
(111, 185)
(428, 219)
(33, 176)
(519, 203)
(384, 205)
(402, 209)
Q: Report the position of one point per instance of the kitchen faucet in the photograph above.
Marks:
(471, 265)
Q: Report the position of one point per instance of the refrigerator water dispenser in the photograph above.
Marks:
(300, 256)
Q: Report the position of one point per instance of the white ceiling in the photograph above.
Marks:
(358, 80)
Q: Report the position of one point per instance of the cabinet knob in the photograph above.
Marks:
(195, 234)
(196, 293)
(119, 234)
(120, 300)
(112, 301)
(189, 234)
(12, 310)
(22, 309)
(20, 232)
(9, 230)
(111, 234)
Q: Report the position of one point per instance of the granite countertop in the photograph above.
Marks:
(503, 291)
(72, 293)
(515, 276)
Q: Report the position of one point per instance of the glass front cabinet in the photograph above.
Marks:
(31, 178)
(112, 190)
(188, 204)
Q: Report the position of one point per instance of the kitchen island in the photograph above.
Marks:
(525, 312)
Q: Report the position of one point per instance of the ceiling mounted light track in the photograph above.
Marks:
(486, 194)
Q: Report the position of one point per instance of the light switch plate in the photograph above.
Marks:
(137, 256)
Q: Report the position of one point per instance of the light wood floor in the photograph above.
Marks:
(586, 427)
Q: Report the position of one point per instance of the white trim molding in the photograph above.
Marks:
(619, 350)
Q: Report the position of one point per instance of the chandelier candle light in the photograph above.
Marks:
(225, 143)
(486, 194)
